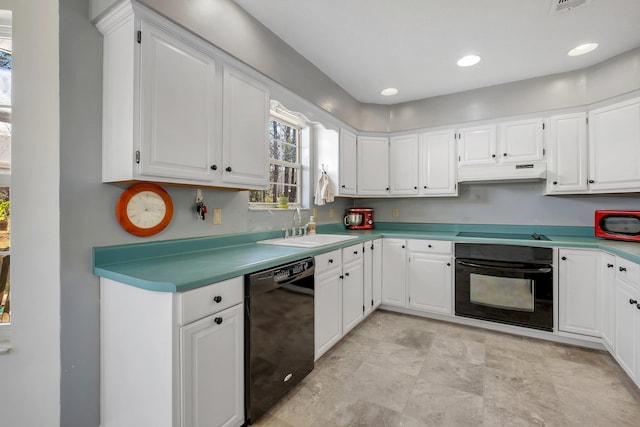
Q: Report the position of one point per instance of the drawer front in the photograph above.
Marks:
(431, 246)
(210, 299)
(352, 253)
(629, 271)
(327, 261)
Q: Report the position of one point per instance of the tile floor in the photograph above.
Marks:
(399, 370)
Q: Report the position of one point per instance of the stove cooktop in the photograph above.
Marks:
(516, 236)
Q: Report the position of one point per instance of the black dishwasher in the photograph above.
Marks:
(279, 337)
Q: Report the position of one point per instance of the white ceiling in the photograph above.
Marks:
(413, 45)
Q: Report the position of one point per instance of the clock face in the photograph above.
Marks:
(144, 209)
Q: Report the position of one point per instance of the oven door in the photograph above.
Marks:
(514, 293)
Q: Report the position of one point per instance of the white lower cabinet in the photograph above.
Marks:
(627, 317)
(394, 282)
(430, 283)
(372, 264)
(352, 294)
(172, 359)
(607, 277)
(212, 354)
(579, 294)
(328, 301)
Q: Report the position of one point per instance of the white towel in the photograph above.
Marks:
(324, 193)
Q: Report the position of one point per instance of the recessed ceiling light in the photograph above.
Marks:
(582, 49)
(389, 91)
(468, 61)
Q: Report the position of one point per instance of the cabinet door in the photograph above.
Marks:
(607, 292)
(178, 104)
(403, 164)
(328, 310)
(245, 118)
(368, 277)
(578, 309)
(614, 147)
(376, 285)
(430, 283)
(626, 337)
(437, 159)
(567, 158)
(373, 166)
(212, 368)
(347, 184)
(477, 145)
(521, 140)
(352, 298)
(394, 290)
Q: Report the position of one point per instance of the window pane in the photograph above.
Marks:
(5, 243)
(283, 174)
(283, 151)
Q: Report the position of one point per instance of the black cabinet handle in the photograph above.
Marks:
(622, 268)
(214, 167)
(632, 301)
(591, 181)
(415, 188)
(429, 246)
(344, 186)
(504, 154)
(217, 299)
(387, 188)
(330, 260)
(402, 246)
(555, 182)
(564, 258)
(425, 187)
(355, 252)
(342, 277)
(228, 169)
(493, 156)
(638, 306)
(218, 320)
(448, 264)
(609, 265)
(346, 274)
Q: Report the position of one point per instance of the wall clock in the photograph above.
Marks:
(144, 209)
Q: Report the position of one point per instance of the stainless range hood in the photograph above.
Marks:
(526, 171)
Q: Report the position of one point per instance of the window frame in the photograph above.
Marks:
(292, 121)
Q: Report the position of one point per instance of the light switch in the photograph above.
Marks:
(395, 213)
(217, 216)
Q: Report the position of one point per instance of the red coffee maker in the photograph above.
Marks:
(359, 219)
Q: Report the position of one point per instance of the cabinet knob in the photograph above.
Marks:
(387, 188)
(355, 252)
(555, 182)
(342, 277)
(632, 301)
(448, 264)
(402, 246)
(214, 167)
(344, 186)
(622, 268)
(330, 260)
(228, 169)
(218, 320)
(425, 187)
(217, 299)
(591, 181)
(504, 154)
(429, 246)
(564, 258)
(609, 265)
(415, 188)
(346, 274)
(493, 156)
(638, 306)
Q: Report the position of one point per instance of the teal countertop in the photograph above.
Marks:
(180, 265)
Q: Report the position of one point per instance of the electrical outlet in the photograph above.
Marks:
(217, 216)
(395, 213)
(332, 213)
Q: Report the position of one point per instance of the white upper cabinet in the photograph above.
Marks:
(172, 112)
(373, 166)
(347, 184)
(437, 164)
(403, 165)
(477, 145)
(614, 148)
(245, 141)
(178, 108)
(521, 140)
(567, 158)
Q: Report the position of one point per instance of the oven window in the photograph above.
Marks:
(502, 292)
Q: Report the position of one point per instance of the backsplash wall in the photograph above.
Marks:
(504, 203)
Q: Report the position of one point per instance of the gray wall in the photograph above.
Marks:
(87, 205)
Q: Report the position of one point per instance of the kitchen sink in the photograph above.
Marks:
(308, 241)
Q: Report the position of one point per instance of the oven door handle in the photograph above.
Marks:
(541, 270)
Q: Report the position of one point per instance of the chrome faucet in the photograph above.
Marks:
(296, 226)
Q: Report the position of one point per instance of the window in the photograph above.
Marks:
(284, 165)
(5, 169)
